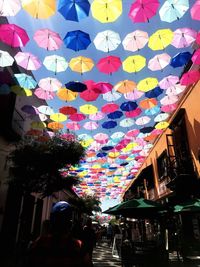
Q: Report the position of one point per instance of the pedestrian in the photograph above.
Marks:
(58, 248)
(110, 234)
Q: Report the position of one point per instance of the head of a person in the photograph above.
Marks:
(61, 217)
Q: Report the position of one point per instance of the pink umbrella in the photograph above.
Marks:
(109, 108)
(27, 61)
(132, 133)
(143, 120)
(195, 10)
(176, 89)
(133, 113)
(168, 100)
(97, 116)
(198, 38)
(89, 95)
(134, 95)
(77, 117)
(169, 108)
(101, 138)
(159, 62)
(135, 41)
(190, 77)
(90, 125)
(109, 64)
(50, 84)
(183, 37)
(43, 94)
(196, 57)
(13, 35)
(48, 39)
(103, 87)
(73, 126)
(143, 10)
(168, 81)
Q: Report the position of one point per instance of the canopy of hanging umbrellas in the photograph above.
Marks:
(111, 71)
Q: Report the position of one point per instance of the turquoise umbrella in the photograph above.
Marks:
(25, 81)
(173, 10)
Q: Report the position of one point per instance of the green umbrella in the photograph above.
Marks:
(188, 206)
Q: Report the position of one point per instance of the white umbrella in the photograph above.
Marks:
(55, 63)
(161, 117)
(143, 120)
(107, 41)
(159, 62)
(111, 96)
(5, 59)
(9, 7)
(135, 41)
(176, 89)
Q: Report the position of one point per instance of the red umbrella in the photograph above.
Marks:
(89, 95)
(77, 117)
(190, 77)
(143, 10)
(109, 64)
(133, 113)
(67, 110)
(108, 108)
(13, 35)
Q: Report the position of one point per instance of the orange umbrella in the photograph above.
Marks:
(125, 86)
(55, 126)
(66, 95)
(148, 103)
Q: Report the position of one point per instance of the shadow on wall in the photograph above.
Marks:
(194, 137)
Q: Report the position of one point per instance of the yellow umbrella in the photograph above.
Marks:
(125, 86)
(21, 91)
(58, 117)
(106, 10)
(88, 109)
(162, 125)
(114, 154)
(55, 125)
(66, 95)
(39, 9)
(86, 143)
(160, 39)
(134, 63)
(129, 147)
(147, 84)
(38, 125)
(81, 64)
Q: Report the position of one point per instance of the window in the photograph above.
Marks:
(162, 163)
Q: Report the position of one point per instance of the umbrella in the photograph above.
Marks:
(67, 110)
(111, 96)
(106, 10)
(55, 126)
(5, 59)
(191, 205)
(147, 84)
(81, 64)
(168, 81)
(173, 10)
(9, 7)
(101, 138)
(77, 40)
(115, 115)
(109, 64)
(103, 87)
(73, 126)
(58, 117)
(162, 125)
(47, 39)
(133, 95)
(160, 39)
(128, 106)
(169, 107)
(107, 41)
(190, 77)
(176, 89)
(97, 116)
(27, 61)
(45, 110)
(43, 94)
(161, 117)
(109, 108)
(76, 86)
(66, 95)
(195, 10)
(168, 100)
(134, 63)
(41, 9)
(88, 109)
(152, 111)
(148, 103)
(143, 10)
(154, 92)
(38, 125)
(133, 113)
(180, 59)
(90, 125)
(196, 57)
(143, 120)
(109, 124)
(25, 81)
(89, 95)
(183, 37)
(13, 35)
(135, 41)
(50, 84)
(55, 63)
(146, 130)
(159, 62)
(77, 117)
(74, 10)
(30, 110)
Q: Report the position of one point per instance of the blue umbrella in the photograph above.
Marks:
(180, 59)
(74, 10)
(109, 124)
(101, 154)
(77, 40)
(154, 92)
(147, 129)
(128, 106)
(115, 115)
(106, 148)
(25, 81)
(76, 86)
(152, 111)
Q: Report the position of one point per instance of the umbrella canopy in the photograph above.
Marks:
(58, 117)
(180, 59)
(9, 7)
(47, 39)
(5, 59)
(13, 35)
(143, 10)
(41, 9)
(128, 106)
(55, 126)
(134, 63)
(103, 87)
(147, 84)
(89, 95)
(125, 86)
(109, 124)
(159, 62)
(183, 37)
(190, 77)
(109, 64)
(135, 41)
(73, 126)
(196, 57)
(27, 61)
(66, 94)
(43, 94)
(55, 63)
(68, 110)
(50, 84)
(77, 40)
(160, 39)
(76, 86)
(88, 109)
(74, 10)
(173, 10)
(25, 81)
(154, 92)
(107, 41)
(77, 117)
(81, 64)
(168, 81)
(111, 96)
(106, 10)
(108, 108)
(195, 10)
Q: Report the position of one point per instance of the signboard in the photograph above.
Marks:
(116, 249)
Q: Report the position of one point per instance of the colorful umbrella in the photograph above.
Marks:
(58, 117)
(103, 87)
(195, 10)
(180, 59)
(77, 117)
(147, 84)
(143, 10)
(73, 126)
(67, 110)
(89, 95)
(88, 109)
(162, 125)
(45, 110)
(25, 81)
(32, 110)
(184, 37)
(143, 120)
(109, 64)
(5, 59)
(50, 84)
(168, 81)
(101, 138)
(55, 63)
(148, 103)
(38, 125)
(47, 39)
(109, 124)
(190, 77)
(168, 100)
(97, 116)
(152, 111)
(81, 64)
(134, 63)
(125, 86)
(135, 41)
(76, 86)
(133, 95)
(169, 108)
(173, 10)
(109, 108)
(176, 89)
(133, 113)
(55, 126)
(161, 117)
(154, 92)
(128, 106)
(106, 10)
(196, 57)
(160, 39)
(13, 35)
(9, 7)
(43, 94)
(66, 95)
(74, 10)
(77, 40)
(107, 41)
(27, 61)
(126, 122)
(41, 9)
(90, 125)
(159, 62)
(115, 115)
(111, 96)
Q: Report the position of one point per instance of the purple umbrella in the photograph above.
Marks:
(30, 110)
